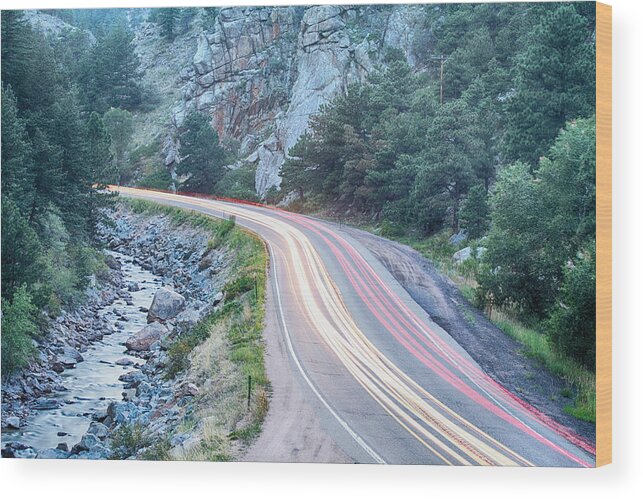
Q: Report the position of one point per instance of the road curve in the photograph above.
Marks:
(388, 384)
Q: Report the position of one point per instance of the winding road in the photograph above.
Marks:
(362, 373)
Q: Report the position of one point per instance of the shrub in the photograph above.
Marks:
(571, 327)
(127, 440)
(158, 178)
(18, 328)
(391, 229)
(239, 286)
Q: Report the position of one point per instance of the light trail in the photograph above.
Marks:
(314, 297)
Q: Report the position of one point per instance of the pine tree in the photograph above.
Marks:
(17, 153)
(555, 82)
(120, 126)
(100, 167)
(112, 72)
(21, 249)
(475, 214)
(167, 20)
(452, 144)
(202, 158)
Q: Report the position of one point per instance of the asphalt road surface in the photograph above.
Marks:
(361, 373)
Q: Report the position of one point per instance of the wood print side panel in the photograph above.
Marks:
(603, 234)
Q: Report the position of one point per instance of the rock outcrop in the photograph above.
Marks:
(264, 71)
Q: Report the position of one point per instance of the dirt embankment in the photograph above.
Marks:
(500, 356)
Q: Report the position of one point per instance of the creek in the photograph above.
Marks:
(93, 383)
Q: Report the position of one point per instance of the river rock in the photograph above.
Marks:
(122, 412)
(166, 304)
(97, 452)
(124, 362)
(132, 378)
(70, 357)
(44, 404)
(13, 422)
(144, 339)
(57, 367)
(52, 454)
(27, 453)
(218, 298)
(98, 429)
(112, 262)
(86, 443)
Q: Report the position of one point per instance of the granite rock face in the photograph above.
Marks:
(262, 72)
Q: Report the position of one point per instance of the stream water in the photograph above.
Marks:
(94, 383)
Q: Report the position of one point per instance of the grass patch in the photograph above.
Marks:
(581, 381)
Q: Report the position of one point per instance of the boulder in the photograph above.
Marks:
(188, 318)
(458, 238)
(57, 367)
(70, 357)
(88, 442)
(466, 253)
(122, 412)
(143, 340)
(166, 304)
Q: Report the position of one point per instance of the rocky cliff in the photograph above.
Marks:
(259, 72)
(262, 72)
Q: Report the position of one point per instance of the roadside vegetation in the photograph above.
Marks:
(224, 352)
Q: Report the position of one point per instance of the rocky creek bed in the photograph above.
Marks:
(99, 387)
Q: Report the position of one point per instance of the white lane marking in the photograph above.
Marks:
(378, 459)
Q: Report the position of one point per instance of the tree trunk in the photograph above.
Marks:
(455, 224)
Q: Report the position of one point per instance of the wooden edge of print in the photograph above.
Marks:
(603, 234)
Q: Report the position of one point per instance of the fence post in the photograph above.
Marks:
(249, 389)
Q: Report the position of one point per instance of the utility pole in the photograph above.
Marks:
(442, 58)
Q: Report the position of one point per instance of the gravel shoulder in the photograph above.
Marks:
(500, 356)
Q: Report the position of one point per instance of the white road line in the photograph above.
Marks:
(378, 459)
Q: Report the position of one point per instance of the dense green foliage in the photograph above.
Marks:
(503, 146)
(120, 126)
(109, 72)
(167, 19)
(18, 328)
(55, 159)
(202, 158)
